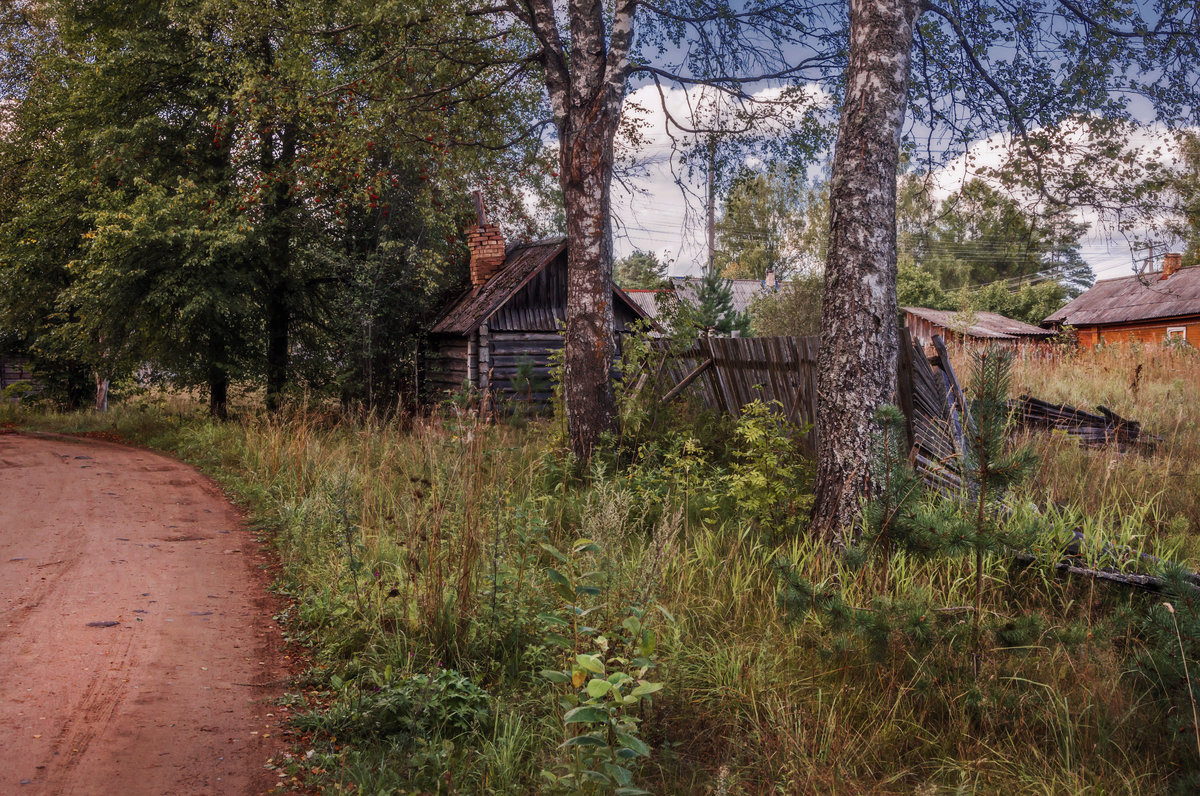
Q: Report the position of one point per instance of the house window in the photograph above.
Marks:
(1177, 333)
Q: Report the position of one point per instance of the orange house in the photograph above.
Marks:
(1145, 308)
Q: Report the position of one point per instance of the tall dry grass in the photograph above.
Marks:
(1158, 486)
(414, 543)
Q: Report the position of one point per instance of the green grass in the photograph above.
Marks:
(417, 546)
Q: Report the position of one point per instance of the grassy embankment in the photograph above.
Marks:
(417, 560)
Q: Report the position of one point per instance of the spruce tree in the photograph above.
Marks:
(714, 297)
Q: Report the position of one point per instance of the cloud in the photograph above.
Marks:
(659, 199)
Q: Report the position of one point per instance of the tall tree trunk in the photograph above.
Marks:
(278, 319)
(857, 359)
(101, 391)
(586, 91)
(278, 235)
(587, 158)
(218, 379)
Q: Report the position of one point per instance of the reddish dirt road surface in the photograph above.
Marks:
(136, 647)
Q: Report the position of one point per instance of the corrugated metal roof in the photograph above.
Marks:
(522, 263)
(988, 325)
(1134, 298)
(744, 290)
(647, 300)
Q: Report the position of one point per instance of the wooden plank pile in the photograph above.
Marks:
(932, 402)
(1105, 428)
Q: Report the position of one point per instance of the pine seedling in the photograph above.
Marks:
(991, 464)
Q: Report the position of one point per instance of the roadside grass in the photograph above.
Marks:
(416, 554)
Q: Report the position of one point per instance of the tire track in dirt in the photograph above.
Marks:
(132, 602)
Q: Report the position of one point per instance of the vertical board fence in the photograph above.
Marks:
(725, 374)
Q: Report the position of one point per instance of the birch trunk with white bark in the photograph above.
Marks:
(857, 359)
(586, 88)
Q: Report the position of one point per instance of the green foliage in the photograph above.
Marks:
(1010, 259)
(919, 287)
(405, 542)
(769, 480)
(771, 221)
(904, 517)
(981, 235)
(1185, 186)
(183, 192)
(640, 271)
(714, 306)
(443, 704)
(603, 687)
(1169, 664)
(794, 310)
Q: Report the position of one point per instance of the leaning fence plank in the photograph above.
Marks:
(687, 380)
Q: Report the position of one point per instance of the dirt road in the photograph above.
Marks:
(134, 625)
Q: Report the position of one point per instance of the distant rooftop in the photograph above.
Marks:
(1134, 298)
(987, 325)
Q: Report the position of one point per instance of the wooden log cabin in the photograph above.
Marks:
(1151, 308)
(499, 335)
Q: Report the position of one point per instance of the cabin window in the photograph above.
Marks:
(1176, 332)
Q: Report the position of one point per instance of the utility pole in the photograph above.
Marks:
(712, 205)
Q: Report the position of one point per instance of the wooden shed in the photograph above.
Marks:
(498, 336)
(1145, 308)
(979, 327)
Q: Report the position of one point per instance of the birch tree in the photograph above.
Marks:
(1061, 78)
(588, 51)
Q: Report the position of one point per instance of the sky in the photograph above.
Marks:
(653, 213)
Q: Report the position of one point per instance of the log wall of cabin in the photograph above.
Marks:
(1145, 333)
(520, 364)
(13, 370)
(509, 354)
(449, 363)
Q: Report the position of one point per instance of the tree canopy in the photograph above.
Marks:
(205, 188)
(771, 222)
(640, 271)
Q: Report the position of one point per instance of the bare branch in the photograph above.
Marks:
(731, 84)
(1015, 115)
(1145, 33)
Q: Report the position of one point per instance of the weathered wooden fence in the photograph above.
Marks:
(726, 374)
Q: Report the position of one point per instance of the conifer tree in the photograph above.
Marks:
(714, 297)
(905, 515)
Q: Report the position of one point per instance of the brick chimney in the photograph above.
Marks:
(769, 280)
(1171, 264)
(486, 245)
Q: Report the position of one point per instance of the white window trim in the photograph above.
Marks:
(1180, 330)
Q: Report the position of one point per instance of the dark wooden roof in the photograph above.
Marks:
(1134, 298)
(522, 264)
(988, 325)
